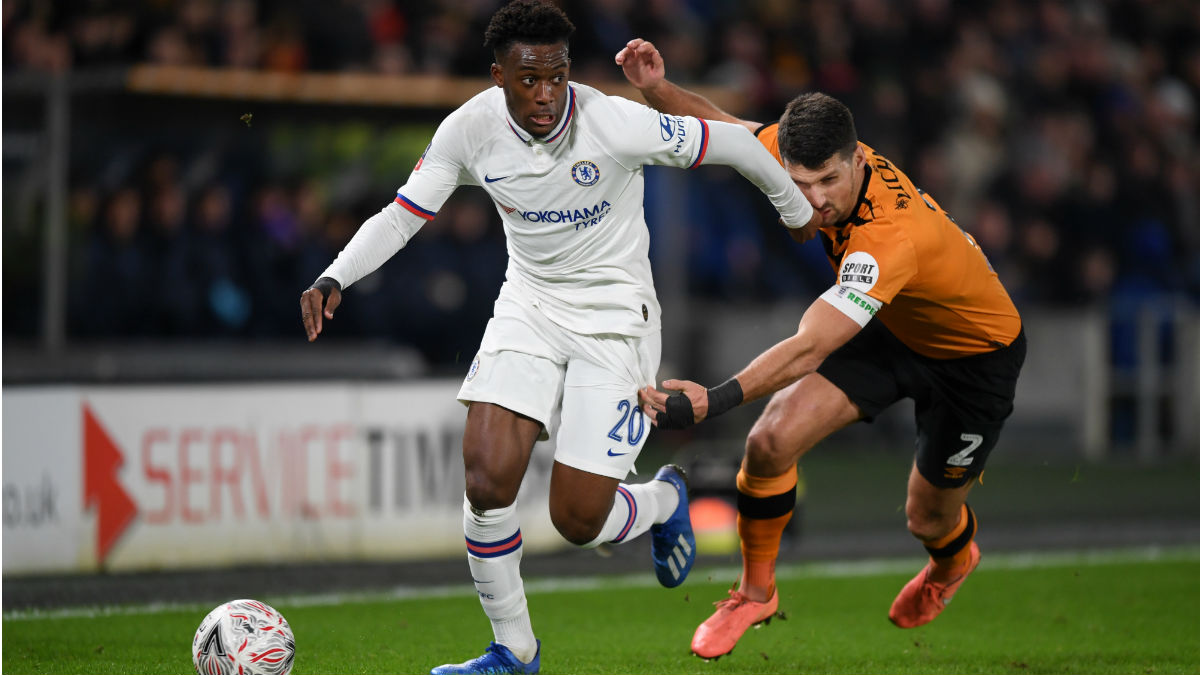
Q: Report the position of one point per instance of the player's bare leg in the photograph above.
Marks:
(795, 420)
(580, 502)
(941, 519)
(589, 510)
(497, 445)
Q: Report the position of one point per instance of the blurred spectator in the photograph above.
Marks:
(118, 274)
(217, 258)
(172, 284)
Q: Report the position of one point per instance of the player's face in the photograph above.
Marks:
(534, 79)
(832, 188)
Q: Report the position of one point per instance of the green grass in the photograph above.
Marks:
(1057, 614)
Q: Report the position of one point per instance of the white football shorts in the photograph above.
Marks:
(582, 388)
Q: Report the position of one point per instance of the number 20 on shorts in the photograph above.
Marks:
(629, 413)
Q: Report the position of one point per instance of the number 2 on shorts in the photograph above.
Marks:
(963, 458)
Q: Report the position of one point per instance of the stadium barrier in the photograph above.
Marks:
(164, 476)
(169, 477)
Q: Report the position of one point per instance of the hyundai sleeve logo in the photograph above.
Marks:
(666, 126)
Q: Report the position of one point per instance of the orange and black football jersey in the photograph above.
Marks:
(941, 296)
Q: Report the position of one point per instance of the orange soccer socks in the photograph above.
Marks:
(951, 555)
(765, 506)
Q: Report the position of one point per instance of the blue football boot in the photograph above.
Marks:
(672, 544)
(496, 660)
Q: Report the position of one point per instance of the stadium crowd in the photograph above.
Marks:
(1062, 134)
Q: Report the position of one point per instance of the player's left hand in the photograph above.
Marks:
(642, 64)
(688, 404)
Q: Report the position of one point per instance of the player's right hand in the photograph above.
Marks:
(317, 303)
(687, 405)
(642, 64)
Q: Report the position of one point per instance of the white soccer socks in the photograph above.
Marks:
(494, 554)
(635, 509)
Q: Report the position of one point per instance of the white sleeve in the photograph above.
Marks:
(852, 302)
(437, 173)
(643, 135)
(733, 145)
(378, 239)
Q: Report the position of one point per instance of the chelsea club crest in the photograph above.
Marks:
(585, 173)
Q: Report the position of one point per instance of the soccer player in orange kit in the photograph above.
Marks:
(915, 311)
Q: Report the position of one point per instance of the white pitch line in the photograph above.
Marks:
(811, 570)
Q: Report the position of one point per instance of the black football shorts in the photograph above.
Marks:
(961, 404)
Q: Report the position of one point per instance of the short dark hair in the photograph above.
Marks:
(814, 128)
(529, 22)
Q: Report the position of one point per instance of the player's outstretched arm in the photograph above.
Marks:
(644, 68)
(823, 329)
(732, 145)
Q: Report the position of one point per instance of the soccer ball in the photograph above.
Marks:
(243, 637)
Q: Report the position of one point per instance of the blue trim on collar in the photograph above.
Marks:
(566, 118)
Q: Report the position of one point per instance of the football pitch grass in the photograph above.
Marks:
(1132, 611)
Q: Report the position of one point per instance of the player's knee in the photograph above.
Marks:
(577, 528)
(484, 492)
(768, 452)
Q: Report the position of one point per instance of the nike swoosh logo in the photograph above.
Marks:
(480, 582)
(616, 454)
(486, 179)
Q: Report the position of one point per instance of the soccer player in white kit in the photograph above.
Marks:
(576, 329)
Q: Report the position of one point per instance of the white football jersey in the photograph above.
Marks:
(571, 202)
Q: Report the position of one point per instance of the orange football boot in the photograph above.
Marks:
(922, 599)
(721, 631)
